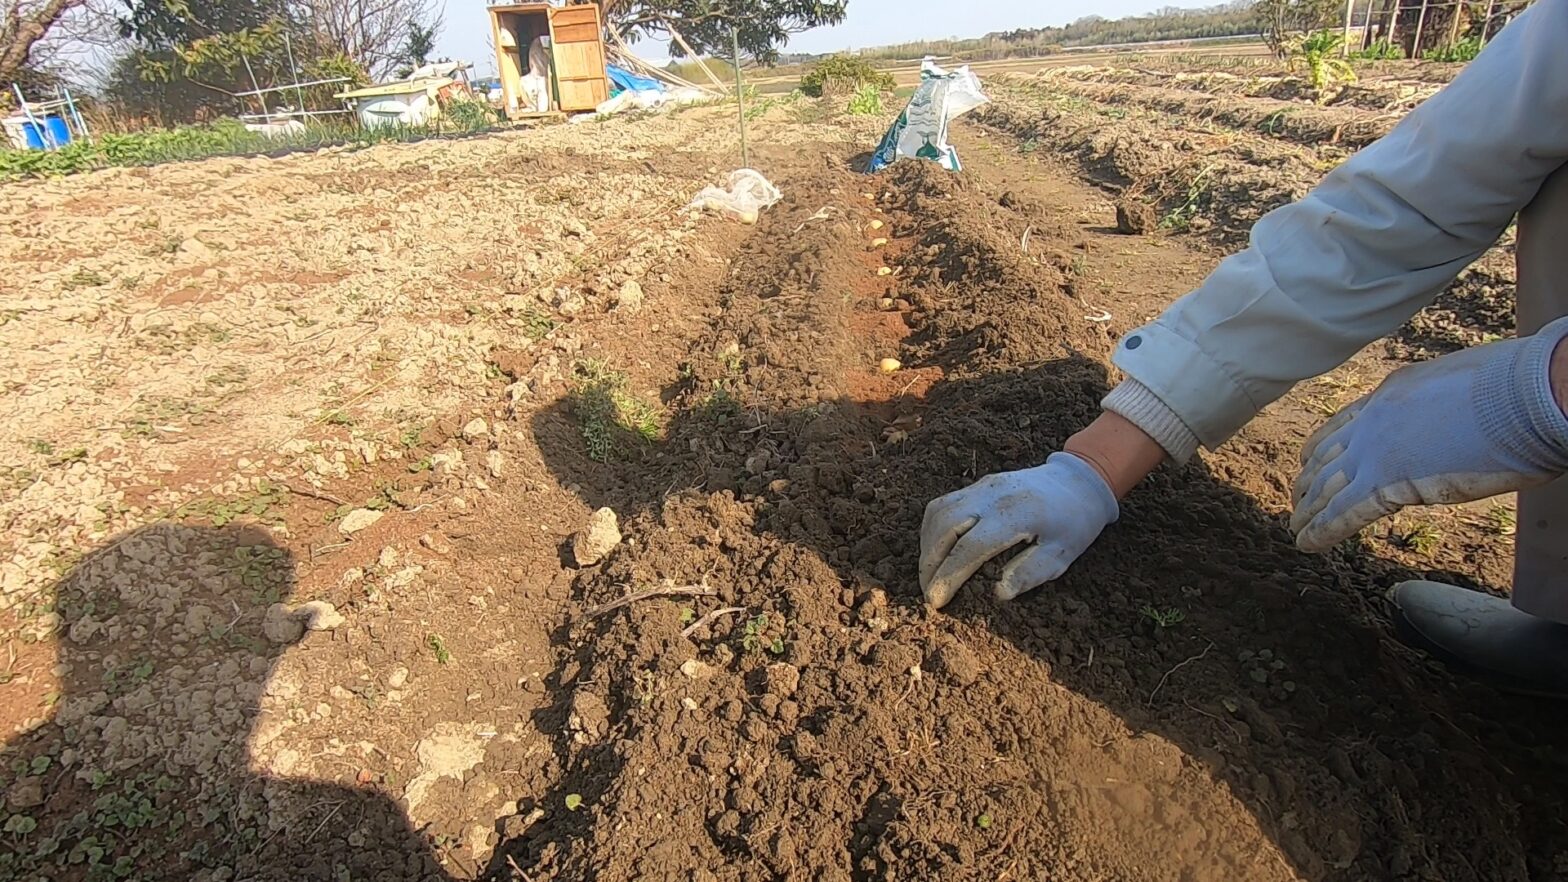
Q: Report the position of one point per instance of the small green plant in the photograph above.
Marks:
(536, 325)
(1180, 217)
(470, 116)
(867, 101)
(84, 278)
(1502, 520)
(688, 615)
(1163, 618)
(259, 504)
(1318, 53)
(1463, 51)
(756, 636)
(68, 457)
(1421, 539)
(574, 801)
(984, 822)
(841, 74)
(611, 417)
(337, 417)
(438, 646)
(1381, 50)
(41, 447)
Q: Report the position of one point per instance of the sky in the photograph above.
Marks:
(466, 31)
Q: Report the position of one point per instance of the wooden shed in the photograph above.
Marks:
(577, 79)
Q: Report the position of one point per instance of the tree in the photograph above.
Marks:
(1280, 20)
(763, 25)
(24, 27)
(421, 41)
(375, 33)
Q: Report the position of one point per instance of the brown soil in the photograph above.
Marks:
(831, 727)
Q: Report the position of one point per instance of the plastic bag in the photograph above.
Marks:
(749, 192)
(921, 130)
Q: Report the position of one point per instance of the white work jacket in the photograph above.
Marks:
(1378, 239)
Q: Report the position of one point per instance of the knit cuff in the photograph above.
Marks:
(1516, 407)
(1139, 405)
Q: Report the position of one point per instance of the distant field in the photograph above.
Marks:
(907, 74)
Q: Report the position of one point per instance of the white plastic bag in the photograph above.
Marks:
(749, 192)
(921, 130)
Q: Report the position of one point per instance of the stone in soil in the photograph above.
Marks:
(598, 538)
(358, 519)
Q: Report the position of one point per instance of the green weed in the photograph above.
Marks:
(838, 74)
(867, 101)
(611, 417)
(1421, 539)
(438, 646)
(1168, 617)
(259, 504)
(1502, 520)
(84, 278)
(536, 324)
(1180, 217)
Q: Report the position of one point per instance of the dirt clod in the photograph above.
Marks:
(281, 625)
(958, 662)
(1135, 217)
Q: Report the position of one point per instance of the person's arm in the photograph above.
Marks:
(1377, 240)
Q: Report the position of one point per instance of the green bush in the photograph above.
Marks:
(1464, 50)
(226, 137)
(841, 74)
(866, 102)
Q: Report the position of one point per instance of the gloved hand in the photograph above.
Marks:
(1058, 509)
(1462, 427)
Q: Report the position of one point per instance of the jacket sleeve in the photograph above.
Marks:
(1371, 245)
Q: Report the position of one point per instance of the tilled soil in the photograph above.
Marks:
(1193, 700)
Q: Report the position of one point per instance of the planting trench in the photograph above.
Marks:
(1193, 700)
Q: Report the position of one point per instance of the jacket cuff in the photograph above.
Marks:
(1139, 405)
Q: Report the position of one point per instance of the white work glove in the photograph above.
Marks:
(1462, 427)
(1052, 513)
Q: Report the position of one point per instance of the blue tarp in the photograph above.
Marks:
(625, 79)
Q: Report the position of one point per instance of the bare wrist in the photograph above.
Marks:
(1119, 451)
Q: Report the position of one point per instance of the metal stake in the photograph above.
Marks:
(740, 99)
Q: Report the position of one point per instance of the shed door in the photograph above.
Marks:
(579, 57)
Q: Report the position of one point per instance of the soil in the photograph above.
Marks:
(748, 686)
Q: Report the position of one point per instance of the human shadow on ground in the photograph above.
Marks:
(1193, 618)
(145, 767)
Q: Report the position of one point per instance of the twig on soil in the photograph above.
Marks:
(823, 213)
(1025, 243)
(516, 869)
(314, 494)
(657, 591)
(333, 547)
(1179, 666)
(706, 619)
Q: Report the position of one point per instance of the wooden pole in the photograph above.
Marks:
(1453, 26)
(740, 99)
(1415, 48)
(1366, 25)
(674, 34)
(1486, 24)
(1350, 15)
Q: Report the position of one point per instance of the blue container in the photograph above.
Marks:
(55, 133)
(58, 130)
